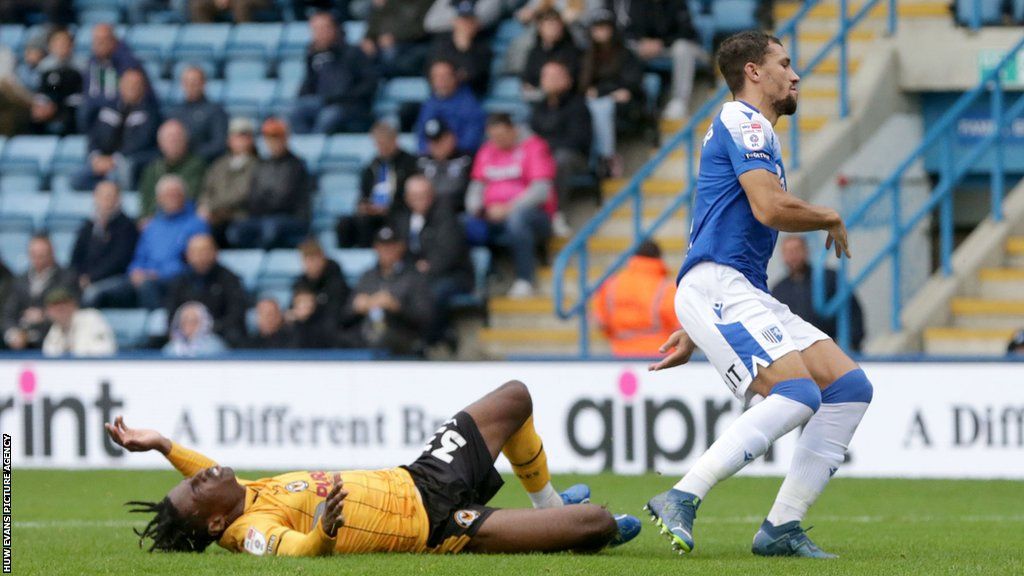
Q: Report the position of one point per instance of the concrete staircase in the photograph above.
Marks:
(988, 311)
(530, 327)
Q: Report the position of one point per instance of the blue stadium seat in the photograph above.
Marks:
(399, 91)
(247, 264)
(506, 95)
(249, 40)
(157, 324)
(292, 70)
(249, 98)
(208, 67)
(294, 41)
(154, 69)
(129, 326)
(328, 239)
(14, 249)
(355, 31)
(507, 31)
(333, 182)
(280, 268)
(203, 41)
(281, 294)
(70, 154)
(20, 182)
(63, 245)
(68, 210)
(1018, 11)
(347, 152)
(12, 35)
(167, 91)
(309, 147)
(93, 16)
(152, 41)
(83, 39)
(990, 12)
(25, 211)
(29, 154)
(236, 70)
(354, 262)
(734, 15)
(3, 144)
(481, 257)
(284, 96)
(131, 203)
(331, 204)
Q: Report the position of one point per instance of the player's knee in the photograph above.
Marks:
(597, 525)
(802, 390)
(517, 398)
(853, 386)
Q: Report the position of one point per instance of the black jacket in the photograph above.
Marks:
(473, 66)
(129, 130)
(565, 124)
(207, 125)
(20, 298)
(565, 51)
(280, 186)
(609, 68)
(405, 328)
(342, 75)
(442, 243)
(62, 85)
(283, 339)
(104, 253)
(223, 295)
(666, 20)
(332, 292)
(796, 293)
(404, 166)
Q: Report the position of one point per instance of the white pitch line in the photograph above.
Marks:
(50, 524)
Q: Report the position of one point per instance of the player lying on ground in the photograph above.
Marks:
(436, 504)
(794, 372)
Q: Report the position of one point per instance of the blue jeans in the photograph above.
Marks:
(442, 290)
(521, 233)
(602, 112)
(267, 232)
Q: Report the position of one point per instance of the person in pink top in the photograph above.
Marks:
(511, 197)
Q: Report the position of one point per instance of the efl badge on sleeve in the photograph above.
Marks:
(753, 135)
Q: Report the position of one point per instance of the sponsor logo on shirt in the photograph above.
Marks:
(753, 135)
(465, 518)
(297, 486)
(758, 156)
(255, 542)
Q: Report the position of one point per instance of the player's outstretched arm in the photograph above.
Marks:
(778, 209)
(186, 461)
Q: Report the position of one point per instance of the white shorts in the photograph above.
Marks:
(738, 326)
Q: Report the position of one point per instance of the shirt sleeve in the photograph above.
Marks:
(748, 143)
(266, 535)
(187, 461)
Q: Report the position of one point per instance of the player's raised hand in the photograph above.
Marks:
(837, 237)
(135, 439)
(332, 518)
(684, 348)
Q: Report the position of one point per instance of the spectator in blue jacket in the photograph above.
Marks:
(123, 137)
(105, 244)
(339, 86)
(453, 104)
(110, 59)
(159, 255)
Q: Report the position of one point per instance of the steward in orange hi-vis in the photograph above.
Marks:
(436, 504)
(635, 308)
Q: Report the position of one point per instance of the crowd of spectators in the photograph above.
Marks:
(473, 179)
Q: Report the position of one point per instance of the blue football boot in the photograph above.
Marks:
(674, 512)
(576, 494)
(787, 539)
(629, 528)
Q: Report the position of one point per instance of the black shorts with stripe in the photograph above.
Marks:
(456, 478)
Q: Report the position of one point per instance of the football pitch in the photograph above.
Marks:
(74, 523)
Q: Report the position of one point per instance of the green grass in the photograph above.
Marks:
(73, 523)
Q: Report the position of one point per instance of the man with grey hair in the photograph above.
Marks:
(175, 158)
(158, 255)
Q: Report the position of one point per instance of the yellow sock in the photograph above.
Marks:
(525, 451)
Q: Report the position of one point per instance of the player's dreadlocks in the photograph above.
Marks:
(168, 530)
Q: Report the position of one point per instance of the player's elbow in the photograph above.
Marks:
(769, 215)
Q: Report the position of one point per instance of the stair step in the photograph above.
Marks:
(534, 337)
(1015, 246)
(830, 66)
(966, 341)
(808, 123)
(987, 313)
(1001, 283)
(618, 244)
(821, 36)
(650, 187)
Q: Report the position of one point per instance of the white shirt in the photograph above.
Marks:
(89, 335)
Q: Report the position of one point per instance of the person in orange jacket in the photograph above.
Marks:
(635, 308)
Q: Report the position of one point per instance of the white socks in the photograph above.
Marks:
(546, 497)
(749, 437)
(822, 446)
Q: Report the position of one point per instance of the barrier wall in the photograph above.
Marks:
(927, 420)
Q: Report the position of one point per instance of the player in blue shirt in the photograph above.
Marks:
(790, 372)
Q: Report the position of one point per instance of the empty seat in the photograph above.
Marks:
(29, 154)
(294, 40)
(507, 31)
(1018, 11)
(734, 15)
(347, 152)
(250, 98)
(506, 95)
(12, 35)
(152, 41)
(333, 182)
(236, 70)
(207, 66)
(14, 249)
(292, 70)
(157, 324)
(331, 204)
(68, 210)
(245, 263)
(252, 40)
(280, 268)
(131, 203)
(282, 295)
(354, 262)
(70, 154)
(989, 12)
(25, 211)
(399, 91)
(129, 326)
(309, 147)
(93, 16)
(63, 245)
(202, 41)
(355, 31)
(20, 182)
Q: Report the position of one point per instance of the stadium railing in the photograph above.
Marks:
(955, 168)
(688, 138)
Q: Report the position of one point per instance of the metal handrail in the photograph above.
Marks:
(954, 170)
(633, 191)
